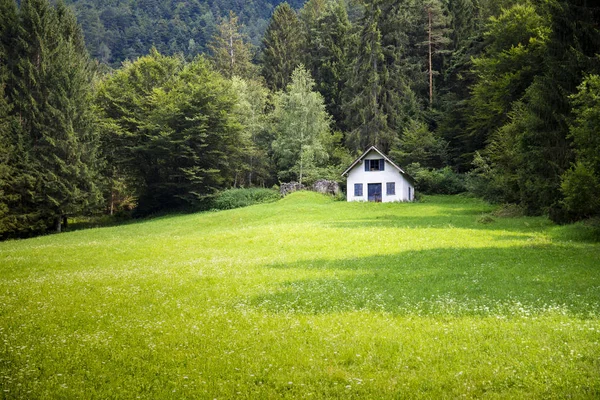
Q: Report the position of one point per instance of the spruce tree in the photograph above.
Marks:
(231, 52)
(378, 100)
(363, 106)
(55, 136)
(283, 44)
(327, 52)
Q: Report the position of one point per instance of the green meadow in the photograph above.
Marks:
(305, 298)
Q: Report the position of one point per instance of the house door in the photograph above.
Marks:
(375, 192)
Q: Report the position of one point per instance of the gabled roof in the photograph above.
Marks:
(373, 148)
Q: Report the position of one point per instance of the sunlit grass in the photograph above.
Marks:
(305, 298)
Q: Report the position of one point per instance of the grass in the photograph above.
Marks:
(305, 298)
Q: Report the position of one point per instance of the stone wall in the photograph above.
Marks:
(320, 186)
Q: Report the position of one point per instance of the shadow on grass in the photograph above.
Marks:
(485, 281)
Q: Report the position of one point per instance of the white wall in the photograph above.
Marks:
(389, 174)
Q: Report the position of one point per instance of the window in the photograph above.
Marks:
(358, 190)
(374, 165)
(409, 193)
(390, 189)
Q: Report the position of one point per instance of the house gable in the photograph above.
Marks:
(374, 177)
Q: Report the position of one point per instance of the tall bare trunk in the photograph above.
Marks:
(231, 54)
(430, 63)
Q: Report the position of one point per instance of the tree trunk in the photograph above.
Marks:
(112, 201)
(231, 55)
(430, 64)
(301, 159)
(58, 224)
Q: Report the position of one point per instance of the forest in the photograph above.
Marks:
(146, 107)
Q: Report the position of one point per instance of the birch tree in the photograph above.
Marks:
(302, 127)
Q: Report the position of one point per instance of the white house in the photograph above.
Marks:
(374, 177)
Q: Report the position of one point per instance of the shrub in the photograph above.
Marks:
(485, 219)
(509, 211)
(437, 181)
(236, 198)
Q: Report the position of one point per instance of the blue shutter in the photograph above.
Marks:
(367, 165)
(381, 164)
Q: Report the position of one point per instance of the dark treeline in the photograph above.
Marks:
(500, 98)
(119, 30)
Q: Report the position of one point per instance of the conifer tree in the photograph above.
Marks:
(327, 49)
(53, 143)
(232, 53)
(580, 185)
(283, 44)
(437, 38)
(363, 107)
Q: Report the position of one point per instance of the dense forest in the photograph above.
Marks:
(116, 31)
(500, 98)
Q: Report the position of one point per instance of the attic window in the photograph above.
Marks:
(374, 165)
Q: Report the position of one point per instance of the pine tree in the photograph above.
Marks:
(378, 100)
(516, 42)
(580, 185)
(53, 143)
(327, 52)
(545, 147)
(363, 106)
(232, 53)
(283, 44)
(437, 38)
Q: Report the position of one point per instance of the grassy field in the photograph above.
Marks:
(305, 298)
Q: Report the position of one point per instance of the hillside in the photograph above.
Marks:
(306, 297)
(119, 30)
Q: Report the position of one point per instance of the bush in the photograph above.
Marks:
(509, 211)
(236, 198)
(581, 188)
(436, 181)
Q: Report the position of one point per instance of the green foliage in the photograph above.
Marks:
(302, 130)
(125, 30)
(51, 165)
(231, 52)
(365, 114)
(419, 145)
(581, 190)
(585, 130)
(254, 166)
(520, 105)
(328, 36)
(283, 44)
(436, 181)
(171, 128)
(515, 43)
(236, 198)
(580, 185)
